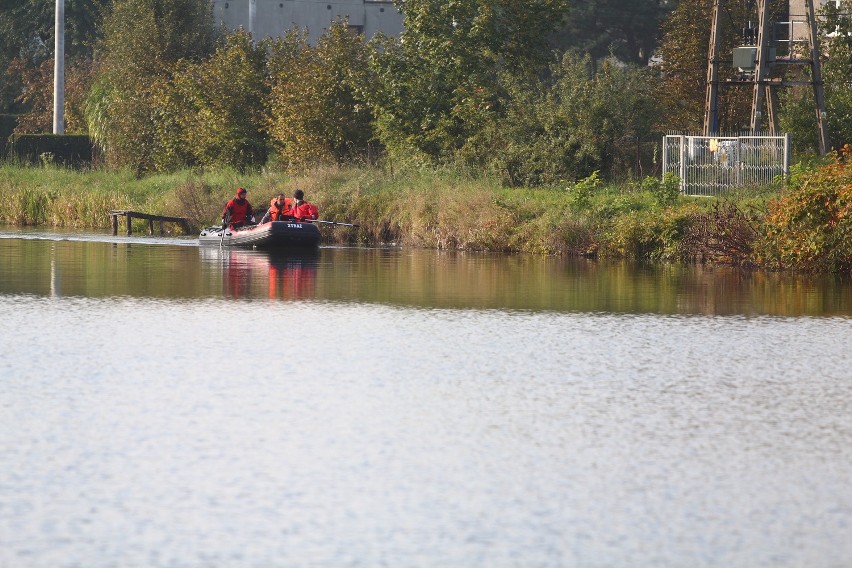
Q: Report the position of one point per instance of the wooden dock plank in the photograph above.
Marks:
(150, 217)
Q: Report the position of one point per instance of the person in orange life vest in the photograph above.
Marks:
(278, 208)
(239, 210)
(301, 209)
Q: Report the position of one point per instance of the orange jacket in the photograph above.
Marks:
(276, 212)
(304, 211)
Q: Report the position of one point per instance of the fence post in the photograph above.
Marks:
(682, 172)
(786, 154)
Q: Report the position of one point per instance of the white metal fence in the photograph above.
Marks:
(709, 165)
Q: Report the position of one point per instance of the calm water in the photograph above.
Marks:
(166, 405)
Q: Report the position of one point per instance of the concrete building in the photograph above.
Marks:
(272, 18)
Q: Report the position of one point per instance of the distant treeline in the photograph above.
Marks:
(532, 93)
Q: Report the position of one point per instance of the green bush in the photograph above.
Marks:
(570, 125)
(582, 191)
(665, 191)
(317, 111)
(648, 235)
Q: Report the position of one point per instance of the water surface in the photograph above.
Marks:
(165, 405)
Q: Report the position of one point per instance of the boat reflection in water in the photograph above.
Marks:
(247, 273)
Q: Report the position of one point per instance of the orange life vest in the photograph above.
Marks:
(276, 212)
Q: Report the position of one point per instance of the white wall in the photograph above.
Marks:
(274, 17)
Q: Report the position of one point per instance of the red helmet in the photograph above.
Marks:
(240, 191)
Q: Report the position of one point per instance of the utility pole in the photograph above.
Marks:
(59, 70)
(252, 16)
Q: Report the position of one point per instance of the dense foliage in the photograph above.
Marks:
(142, 41)
(627, 29)
(570, 124)
(441, 82)
(213, 111)
(481, 83)
(810, 228)
(27, 37)
(317, 110)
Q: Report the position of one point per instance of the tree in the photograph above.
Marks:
(627, 29)
(214, 114)
(438, 85)
(317, 109)
(27, 38)
(573, 123)
(142, 40)
(37, 95)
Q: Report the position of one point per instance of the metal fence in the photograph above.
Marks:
(710, 165)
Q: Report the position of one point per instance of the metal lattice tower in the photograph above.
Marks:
(764, 85)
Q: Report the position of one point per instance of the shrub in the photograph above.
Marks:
(317, 112)
(725, 234)
(583, 190)
(214, 109)
(648, 235)
(665, 191)
(810, 228)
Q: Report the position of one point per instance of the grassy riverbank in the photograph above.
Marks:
(434, 209)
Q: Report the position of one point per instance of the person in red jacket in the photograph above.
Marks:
(238, 211)
(300, 209)
(278, 208)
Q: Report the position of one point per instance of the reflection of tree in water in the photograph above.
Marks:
(291, 275)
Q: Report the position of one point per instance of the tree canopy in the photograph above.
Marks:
(626, 29)
(142, 41)
(27, 35)
(440, 81)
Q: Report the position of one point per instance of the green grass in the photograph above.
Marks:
(419, 208)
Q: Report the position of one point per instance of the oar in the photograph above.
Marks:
(332, 223)
(225, 222)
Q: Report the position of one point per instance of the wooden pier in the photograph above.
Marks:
(130, 215)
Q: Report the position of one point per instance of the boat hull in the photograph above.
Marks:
(276, 235)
